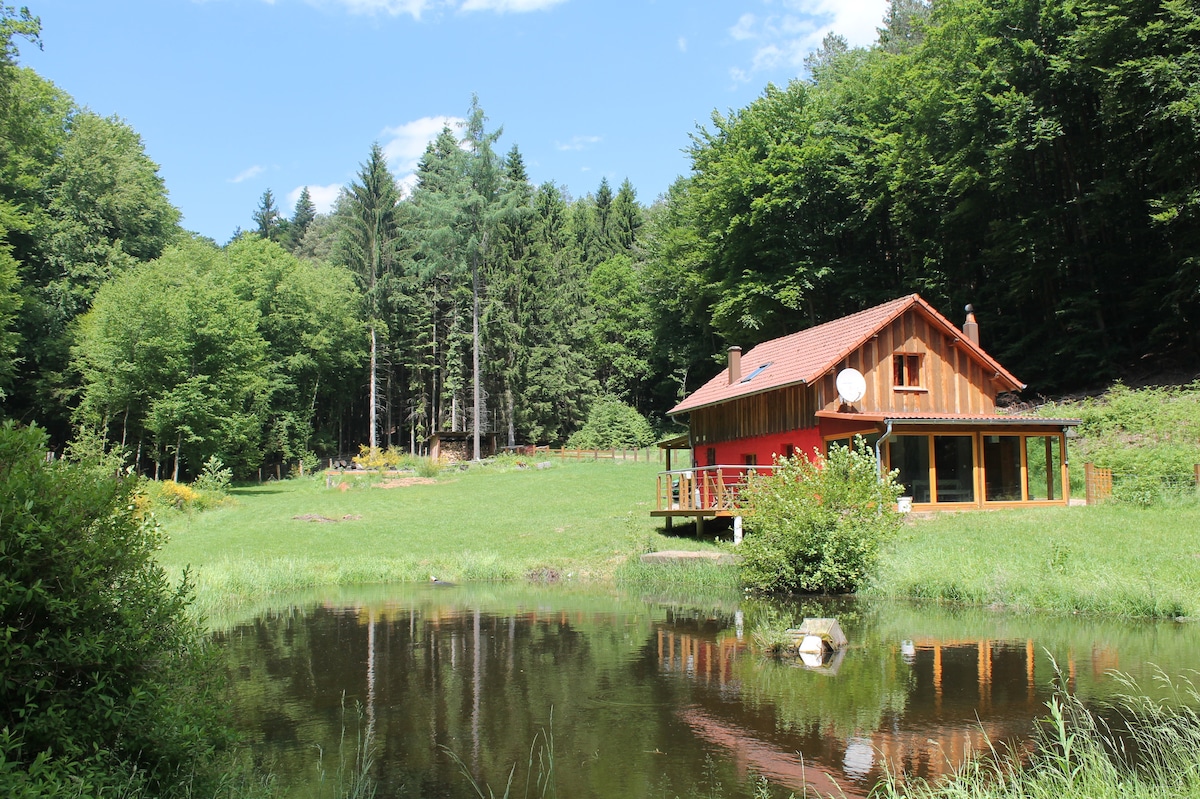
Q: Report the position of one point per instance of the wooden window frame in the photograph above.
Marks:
(906, 371)
(979, 469)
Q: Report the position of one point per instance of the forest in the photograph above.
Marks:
(1039, 159)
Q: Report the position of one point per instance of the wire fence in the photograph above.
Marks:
(1102, 484)
(646, 454)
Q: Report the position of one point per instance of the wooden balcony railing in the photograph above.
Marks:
(709, 490)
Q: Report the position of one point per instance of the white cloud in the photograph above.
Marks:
(246, 174)
(394, 8)
(682, 44)
(744, 29)
(405, 144)
(323, 197)
(577, 143)
(509, 6)
(785, 39)
(415, 8)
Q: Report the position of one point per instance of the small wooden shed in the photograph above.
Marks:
(454, 445)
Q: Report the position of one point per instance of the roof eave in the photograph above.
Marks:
(678, 410)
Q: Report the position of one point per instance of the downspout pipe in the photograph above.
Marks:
(879, 450)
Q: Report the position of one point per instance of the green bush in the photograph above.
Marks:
(214, 477)
(817, 525)
(103, 676)
(611, 424)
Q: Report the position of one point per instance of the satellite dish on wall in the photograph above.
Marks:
(851, 385)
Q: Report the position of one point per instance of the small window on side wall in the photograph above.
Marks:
(750, 460)
(906, 370)
(712, 456)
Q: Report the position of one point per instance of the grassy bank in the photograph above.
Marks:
(586, 522)
(1108, 559)
(573, 521)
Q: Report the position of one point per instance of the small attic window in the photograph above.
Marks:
(756, 372)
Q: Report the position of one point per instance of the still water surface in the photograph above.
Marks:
(648, 697)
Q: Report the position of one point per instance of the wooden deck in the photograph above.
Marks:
(709, 491)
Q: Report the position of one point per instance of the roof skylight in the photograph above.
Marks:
(756, 372)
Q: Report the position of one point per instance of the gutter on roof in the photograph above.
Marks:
(1002, 420)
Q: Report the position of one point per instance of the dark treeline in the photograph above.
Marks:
(1040, 160)
(1037, 158)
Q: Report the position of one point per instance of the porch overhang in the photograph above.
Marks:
(944, 420)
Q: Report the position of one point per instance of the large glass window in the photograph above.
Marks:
(869, 439)
(1043, 458)
(910, 454)
(953, 458)
(1002, 468)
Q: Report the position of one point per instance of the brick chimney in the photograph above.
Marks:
(971, 327)
(735, 364)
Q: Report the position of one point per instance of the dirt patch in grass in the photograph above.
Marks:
(316, 517)
(401, 482)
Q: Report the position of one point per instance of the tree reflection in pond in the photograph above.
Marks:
(642, 694)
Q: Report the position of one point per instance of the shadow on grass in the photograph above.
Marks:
(254, 490)
(685, 528)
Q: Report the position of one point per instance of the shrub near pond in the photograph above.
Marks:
(103, 688)
(817, 524)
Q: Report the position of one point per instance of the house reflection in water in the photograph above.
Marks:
(937, 702)
(637, 697)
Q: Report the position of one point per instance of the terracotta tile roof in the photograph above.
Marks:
(805, 356)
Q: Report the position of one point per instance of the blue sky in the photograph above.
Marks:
(232, 97)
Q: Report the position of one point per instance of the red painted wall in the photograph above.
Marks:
(764, 448)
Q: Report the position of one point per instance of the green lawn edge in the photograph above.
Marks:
(587, 523)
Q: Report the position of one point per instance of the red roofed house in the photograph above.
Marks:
(924, 397)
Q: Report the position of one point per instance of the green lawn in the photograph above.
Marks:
(586, 522)
(577, 520)
(1109, 559)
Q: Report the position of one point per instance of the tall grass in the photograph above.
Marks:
(1110, 559)
(539, 781)
(694, 580)
(1137, 747)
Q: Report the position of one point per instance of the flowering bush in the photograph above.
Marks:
(816, 524)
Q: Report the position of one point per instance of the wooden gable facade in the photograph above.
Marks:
(928, 405)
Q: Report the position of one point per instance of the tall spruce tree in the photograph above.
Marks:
(267, 217)
(368, 245)
(481, 214)
(302, 216)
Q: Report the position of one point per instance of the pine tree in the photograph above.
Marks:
(626, 217)
(267, 217)
(303, 215)
(368, 243)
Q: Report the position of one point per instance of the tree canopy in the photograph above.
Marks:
(1039, 160)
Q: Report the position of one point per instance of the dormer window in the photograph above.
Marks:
(755, 373)
(906, 370)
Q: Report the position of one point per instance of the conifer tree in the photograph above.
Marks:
(267, 217)
(303, 215)
(368, 242)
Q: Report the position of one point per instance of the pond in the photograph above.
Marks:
(611, 695)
